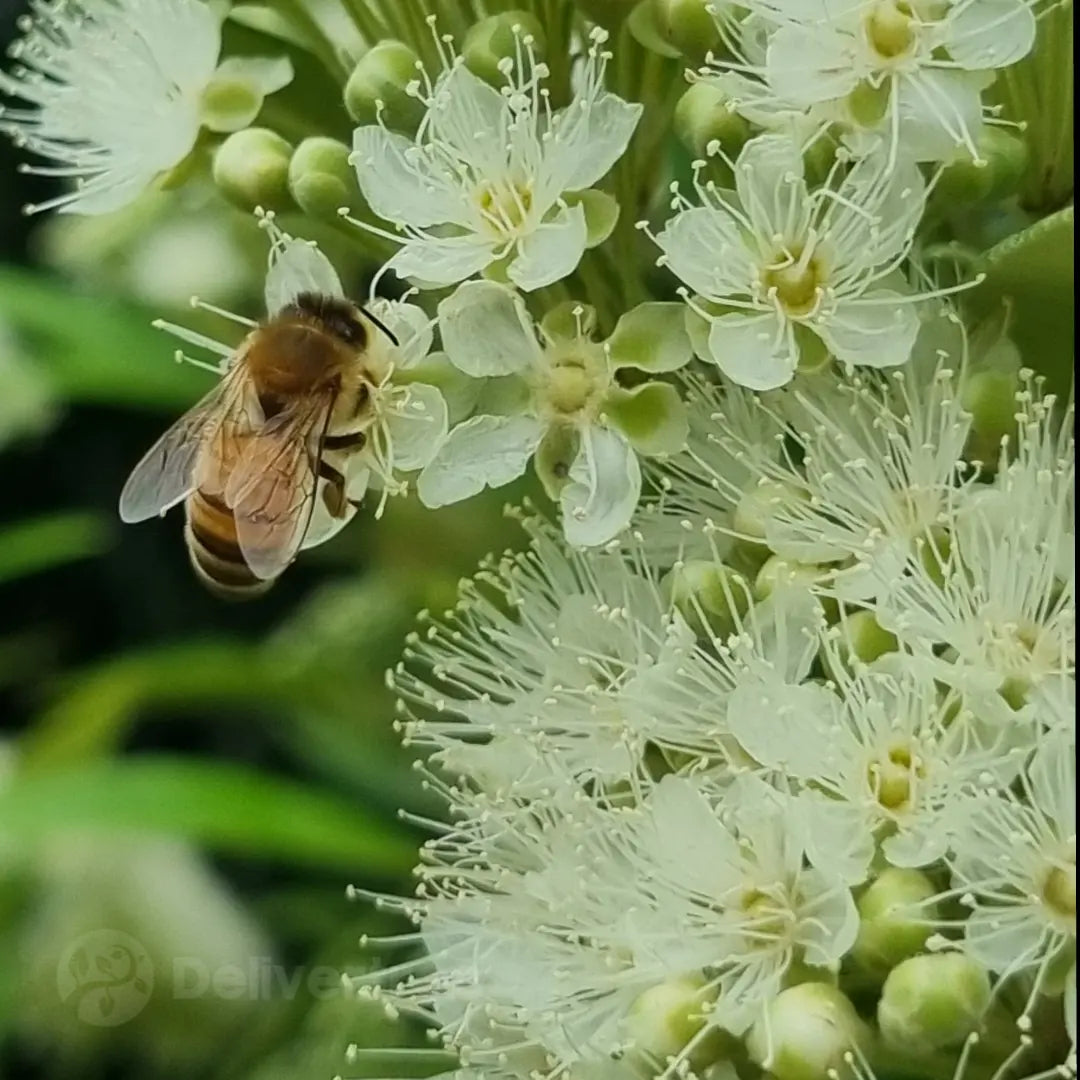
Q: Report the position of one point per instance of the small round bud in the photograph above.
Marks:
(321, 179)
(806, 1033)
(506, 38)
(251, 168)
(686, 24)
(704, 118)
(995, 173)
(666, 1017)
(760, 503)
(862, 638)
(780, 573)
(894, 919)
(712, 597)
(933, 1001)
(380, 84)
(229, 103)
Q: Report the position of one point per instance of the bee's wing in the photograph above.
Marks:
(272, 489)
(167, 471)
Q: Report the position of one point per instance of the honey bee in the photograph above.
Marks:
(247, 459)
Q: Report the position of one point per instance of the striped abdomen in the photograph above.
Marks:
(210, 532)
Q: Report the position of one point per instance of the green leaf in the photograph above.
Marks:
(1032, 272)
(228, 808)
(95, 348)
(37, 544)
(97, 707)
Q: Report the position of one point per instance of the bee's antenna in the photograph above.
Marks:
(382, 326)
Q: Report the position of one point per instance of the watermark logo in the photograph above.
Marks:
(106, 976)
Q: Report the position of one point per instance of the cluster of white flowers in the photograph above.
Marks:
(760, 759)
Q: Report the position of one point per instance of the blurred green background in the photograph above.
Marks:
(199, 780)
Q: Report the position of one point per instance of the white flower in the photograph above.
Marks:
(404, 419)
(735, 884)
(883, 758)
(879, 463)
(490, 174)
(558, 663)
(556, 396)
(1015, 863)
(730, 441)
(998, 589)
(919, 66)
(119, 89)
(784, 262)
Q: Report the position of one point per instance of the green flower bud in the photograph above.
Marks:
(894, 918)
(251, 168)
(712, 597)
(229, 104)
(786, 573)
(989, 387)
(933, 1001)
(601, 214)
(321, 179)
(759, 504)
(381, 82)
(500, 39)
(687, 25)
(666, 1017)
(703, 117)
(863, 638)
(995, 173)
(806, 1033)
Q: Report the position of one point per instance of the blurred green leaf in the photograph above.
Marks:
(96, 348)
(1032, 271)
(96, 708)
(30, 546)
(228, 808)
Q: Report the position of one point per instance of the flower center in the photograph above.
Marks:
(796, 283)
(891, 776)
(504, 205)
(1059, 889)
(890, 29)
(767, 919)
(576, 379)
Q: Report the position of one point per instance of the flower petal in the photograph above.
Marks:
(770, 185)
(410, 324)
(486, 451)
(940, 112)
(472, 117)
(588, 137)
(487, 331)
(652, 416)
(433, 262)
(756, 351)
(551, 251)
(989, 34)
(651, 337)
(605, 484)
(704, 248)
(298, 266)
(811, 63)
(400, 183)
(878, 330)
(417, 429)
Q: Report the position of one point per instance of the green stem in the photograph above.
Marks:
(296, 11)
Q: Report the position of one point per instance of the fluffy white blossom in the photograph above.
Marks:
(493, 173)
(554, 393)
(117, 91)
(1015, 865)
(780, 266)
(914, 72)
(998, 588)
(554, 660)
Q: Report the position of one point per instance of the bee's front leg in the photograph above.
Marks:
(334, 498)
